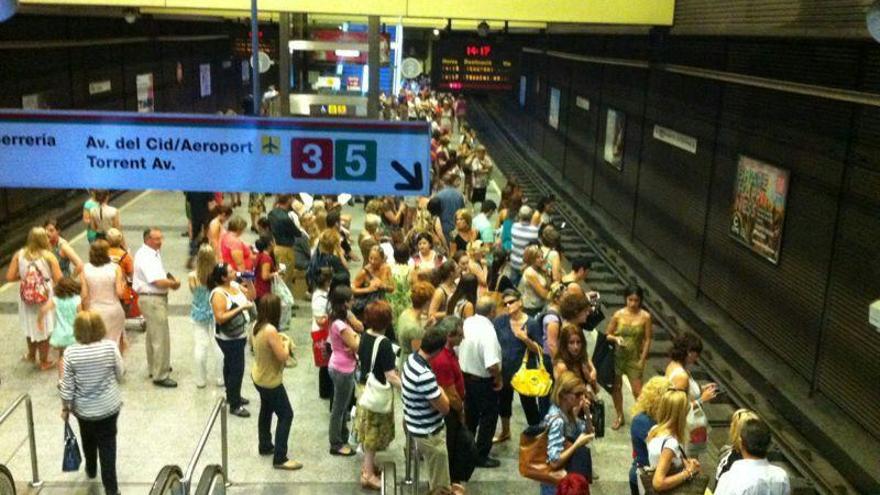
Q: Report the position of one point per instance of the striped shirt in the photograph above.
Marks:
(91, 379)
(522, 235)
(419, 389)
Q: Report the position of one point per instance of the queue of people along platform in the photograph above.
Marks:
(456, 298)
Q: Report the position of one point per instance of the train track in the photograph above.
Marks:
(610, 274)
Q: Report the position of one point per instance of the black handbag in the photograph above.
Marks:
(72, 457)
(596, 317)
(597, 415)
(603, 360)
(694, 486)
(234, 326)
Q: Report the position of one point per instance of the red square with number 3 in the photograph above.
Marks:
(311, 158)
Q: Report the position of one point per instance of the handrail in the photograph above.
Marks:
(29, 409)
(393, 467)
(219, 409)
(411, 478)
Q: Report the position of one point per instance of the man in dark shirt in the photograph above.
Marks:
(286, 232)
(451, 201)
(200, 204)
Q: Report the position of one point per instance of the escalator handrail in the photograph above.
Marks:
(167, 475)
(219, 410)
(6, 473)
(209, 474)
(32, 443)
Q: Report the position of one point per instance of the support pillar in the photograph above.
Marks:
(373, 62)
(284, 63)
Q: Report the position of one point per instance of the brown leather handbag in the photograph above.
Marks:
(533, 458)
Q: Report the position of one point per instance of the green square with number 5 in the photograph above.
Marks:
(355, 160)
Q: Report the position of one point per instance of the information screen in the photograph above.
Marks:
(476, 64)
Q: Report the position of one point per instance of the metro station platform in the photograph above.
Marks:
(160, 426)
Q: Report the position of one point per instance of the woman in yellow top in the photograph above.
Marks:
(271, 351)
(631, 328)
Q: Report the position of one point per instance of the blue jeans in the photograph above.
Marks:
(343, 389)
(581, 462)
(233, 369)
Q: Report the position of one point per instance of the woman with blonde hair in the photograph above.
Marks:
(672, 468)
(464, 232)
(38, 270)
(644, 413)
(569, 420)
(206, 352)
(732, 452)
(534, 285)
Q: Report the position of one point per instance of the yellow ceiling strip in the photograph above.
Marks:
(433, 13)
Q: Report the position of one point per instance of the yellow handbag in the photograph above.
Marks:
(532, 382)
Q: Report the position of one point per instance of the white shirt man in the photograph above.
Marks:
(152, 282)
(479, 356)
(753, 474)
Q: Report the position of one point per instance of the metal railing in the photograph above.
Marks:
(389, 472)
(29, 409)
(219, 410)
(411, 478)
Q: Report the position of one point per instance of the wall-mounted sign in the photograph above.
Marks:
(582, 103)
(204, 80)
(759, 207)
(145, 92)
(553, 113)
(114, 150)
(523, 84)
(475, 64)
(677, 139)
(615, 132)
(99, 87)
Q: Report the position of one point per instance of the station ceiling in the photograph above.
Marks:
(421, 13)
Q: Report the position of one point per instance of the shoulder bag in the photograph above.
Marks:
(533, 457)
(603, 360)
(532, 382)
(72, 457)
(377, 397)
(695, 486)
(234, 326)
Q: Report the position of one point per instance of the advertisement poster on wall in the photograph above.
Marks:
(523, 83)
(553, 116)
(615, 130)
(759, 207)
(145, 94)
(204, 80)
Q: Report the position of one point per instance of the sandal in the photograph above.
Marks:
(618, 423)
(47, 365)
(345, 451)
(370, 482)
(289, 466)
(501, 438)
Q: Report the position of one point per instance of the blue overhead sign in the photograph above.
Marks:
(108, 150)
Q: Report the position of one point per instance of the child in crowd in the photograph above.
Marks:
(66, 303)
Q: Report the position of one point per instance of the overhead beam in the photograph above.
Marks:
(617, 12)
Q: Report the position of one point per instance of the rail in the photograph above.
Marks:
(219, 410)
(29, 408)
(389, 471)
(411, 476)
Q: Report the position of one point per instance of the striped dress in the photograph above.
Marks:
(419, 389)
(91, 379)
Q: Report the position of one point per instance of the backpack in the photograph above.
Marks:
(34, 289)
(535, 329)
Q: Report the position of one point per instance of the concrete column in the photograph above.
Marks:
(373, 62)
(284, 63)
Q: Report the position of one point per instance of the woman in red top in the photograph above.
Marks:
(459, 441)
(264, 266)
(234, 250)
